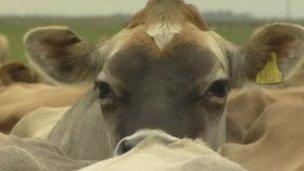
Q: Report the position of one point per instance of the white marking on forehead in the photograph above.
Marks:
(163, 33)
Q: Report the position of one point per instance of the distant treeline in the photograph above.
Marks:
(220, 17)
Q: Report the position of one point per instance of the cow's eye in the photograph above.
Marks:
(107, 97)
(218, 89)
(105, 90)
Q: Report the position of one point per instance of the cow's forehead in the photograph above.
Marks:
(188, 48)
(161, 35)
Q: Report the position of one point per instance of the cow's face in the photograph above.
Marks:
(180, 89)
(164, 71)
(169, 74)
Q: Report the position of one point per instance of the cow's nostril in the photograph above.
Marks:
(126, 147)
(123, 147)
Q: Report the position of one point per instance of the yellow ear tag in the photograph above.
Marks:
(271, 73)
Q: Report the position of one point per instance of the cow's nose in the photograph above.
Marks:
(124, 146)
(128, 143)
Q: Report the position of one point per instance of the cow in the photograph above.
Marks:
(33, 155)
(19, 88)
(295, 78)
(180, 154)
(270, 132)
(4, 48)
(12, 72)
(38, 123)
(139, 62)
(166, 70)
(19, 82)
(156, 150)
(245, 105)
(18, 100)
(265, 125)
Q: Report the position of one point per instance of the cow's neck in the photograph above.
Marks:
(81, 133)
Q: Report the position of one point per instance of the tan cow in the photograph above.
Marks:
(38, 123)
(271, 130)
(245, 104)
(166, 70)
(265, 125)
(33, 155)
(4, 49)
(296, 76)
(19, 89)
(20, 99)
(156, 150)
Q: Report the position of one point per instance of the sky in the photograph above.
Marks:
(260, 8)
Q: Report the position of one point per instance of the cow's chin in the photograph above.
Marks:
(128, 143)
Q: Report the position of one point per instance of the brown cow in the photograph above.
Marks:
(265, 127)
(18, 100)
(13, 72)
(166, 70)
(245, 105)
(148, 70)
(17, 83)
(270, 129)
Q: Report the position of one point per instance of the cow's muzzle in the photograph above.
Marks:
(128, 143)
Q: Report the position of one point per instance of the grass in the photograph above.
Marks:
(93, 29)
(238, 33)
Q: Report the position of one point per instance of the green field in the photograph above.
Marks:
(93, 29)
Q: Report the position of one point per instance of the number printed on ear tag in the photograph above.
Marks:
(271, 73)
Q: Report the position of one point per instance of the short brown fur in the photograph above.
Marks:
(16, 72)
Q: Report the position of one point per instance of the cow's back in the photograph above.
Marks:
(38, 123)
(265, 128)
(19, 99)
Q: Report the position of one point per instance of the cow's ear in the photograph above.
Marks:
(60, 56)
(279, 45)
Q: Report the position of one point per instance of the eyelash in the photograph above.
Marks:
(218, 89)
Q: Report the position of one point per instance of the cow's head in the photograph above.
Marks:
(166, 70)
